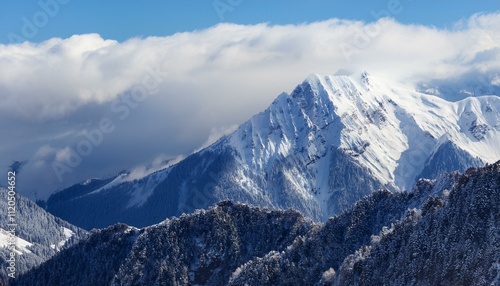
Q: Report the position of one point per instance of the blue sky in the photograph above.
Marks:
(123, 19)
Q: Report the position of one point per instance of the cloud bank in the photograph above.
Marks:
(168, 96)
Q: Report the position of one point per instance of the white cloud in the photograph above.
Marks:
(64, 155)
(496, 80)
(44, 151)
(215, 134)
(56, 77)
(215, 77)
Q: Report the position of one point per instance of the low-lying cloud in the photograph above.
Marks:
(168, 96)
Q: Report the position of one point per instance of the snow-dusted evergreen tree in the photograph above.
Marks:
(203, 248)
(40, 235)
(444, 232)
(455, 240)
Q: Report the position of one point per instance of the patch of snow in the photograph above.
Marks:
(88, 181)
(21, 244)
(68, 233)
(144, 188)
(140, 193)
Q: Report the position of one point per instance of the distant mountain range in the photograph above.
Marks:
(444, 232)
(332, 141)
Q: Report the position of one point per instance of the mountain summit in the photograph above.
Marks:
(330, 142)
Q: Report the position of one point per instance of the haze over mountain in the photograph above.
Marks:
(320, 149)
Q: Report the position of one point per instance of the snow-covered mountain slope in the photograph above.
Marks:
(38, 235)
(330, 142)
(443, 232)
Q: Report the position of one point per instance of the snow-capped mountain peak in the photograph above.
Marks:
(319, 149)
